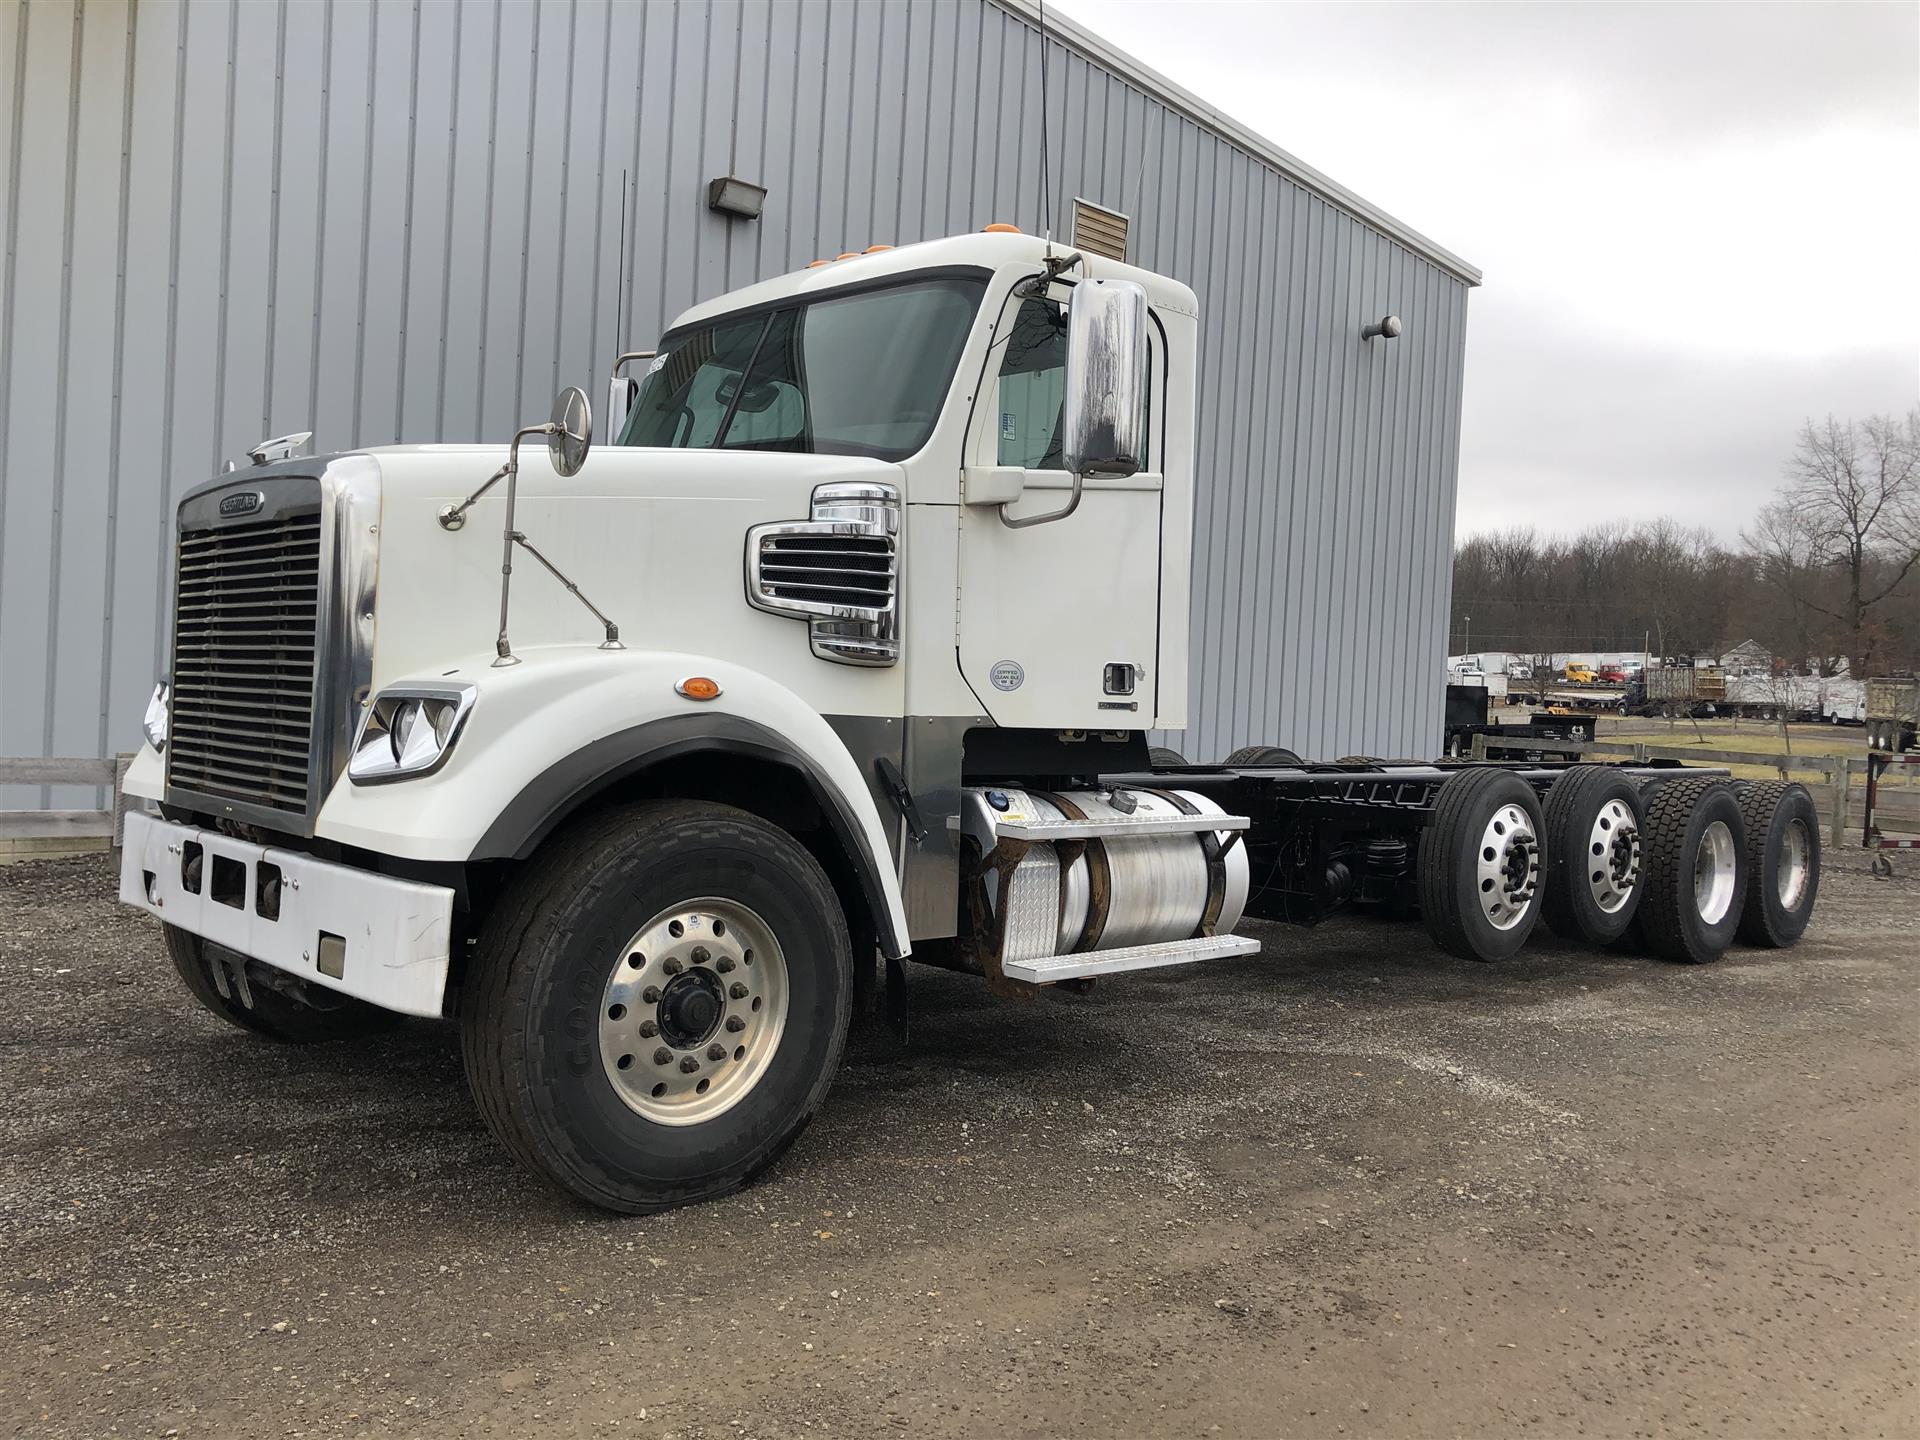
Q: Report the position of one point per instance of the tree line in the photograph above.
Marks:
(1826, 572)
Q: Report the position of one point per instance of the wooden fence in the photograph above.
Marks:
(1838, 798)
(58, 825)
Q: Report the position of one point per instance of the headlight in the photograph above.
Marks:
(408, 732)
(154, 722)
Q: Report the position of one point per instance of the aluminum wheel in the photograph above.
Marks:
(1613, 849)
(1796, 864)
(693, 1012)
(1509, 867)
(1714, 871)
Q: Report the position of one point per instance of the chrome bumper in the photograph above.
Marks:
(373, 937)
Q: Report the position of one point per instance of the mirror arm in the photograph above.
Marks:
(503, 652)
(452, 517)
(1073, 504)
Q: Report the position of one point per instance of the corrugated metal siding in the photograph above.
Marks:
(400, 221)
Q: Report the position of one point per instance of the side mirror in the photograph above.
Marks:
(1106, 378)
(1101, 430)
(572, 432)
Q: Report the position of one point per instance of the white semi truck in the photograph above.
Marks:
(645, 761)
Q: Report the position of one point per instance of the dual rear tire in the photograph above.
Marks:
(1680, 869)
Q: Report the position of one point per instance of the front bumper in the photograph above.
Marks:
(373, 937)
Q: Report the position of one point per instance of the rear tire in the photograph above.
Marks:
(271, 1013)
(1161, 755)
(1263, 755)
(1594, 854)
(1783, 862)
(594, 1071)
(1694, 850)
(1479, 865)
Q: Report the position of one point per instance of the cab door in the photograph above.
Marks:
(1058, 622)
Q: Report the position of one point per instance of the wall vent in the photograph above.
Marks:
(1099, 231)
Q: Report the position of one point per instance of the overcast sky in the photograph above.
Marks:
(1698, 223)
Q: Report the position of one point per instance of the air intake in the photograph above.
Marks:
(838, 570)
(1099, 231)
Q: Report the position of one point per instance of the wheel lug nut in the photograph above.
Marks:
(700, 956)
(651, 994)
(723, 964)
(662, 1056)
(688, 1064)
(737, 990)
(716, 1052)
(673, 967)
(736, 1024)
(649, 1029)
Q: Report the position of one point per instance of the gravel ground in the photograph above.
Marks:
(1350, 1186)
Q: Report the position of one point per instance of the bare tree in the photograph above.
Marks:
(1849, 510)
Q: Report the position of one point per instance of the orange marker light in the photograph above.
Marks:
(846, 255)
(699, 687)
(1000, 227)
(875, 249)
(816, 264)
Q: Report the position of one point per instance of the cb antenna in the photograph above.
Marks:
(1046, 199)
(620, 277)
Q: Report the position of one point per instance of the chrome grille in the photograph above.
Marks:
(837, 569)
(245, 632)
(854, 570)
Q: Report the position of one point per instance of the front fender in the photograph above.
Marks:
(564, 723)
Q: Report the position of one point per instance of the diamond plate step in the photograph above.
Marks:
(1105, 827)
(1048, 968)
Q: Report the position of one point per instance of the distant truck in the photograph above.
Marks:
(1698, 690)
(1613, 675)
(1893, 712)
(1579, 673)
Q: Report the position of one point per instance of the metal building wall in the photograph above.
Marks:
(400, 220)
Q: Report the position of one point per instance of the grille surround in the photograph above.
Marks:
(272, 639)
(839, 570)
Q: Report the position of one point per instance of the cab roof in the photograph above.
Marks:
(992, 250)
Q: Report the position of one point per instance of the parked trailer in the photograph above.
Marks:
(1893, 712)
(1467, 716)
(652, 872)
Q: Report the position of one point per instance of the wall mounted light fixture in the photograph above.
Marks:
(1387, 327)
(733, 196)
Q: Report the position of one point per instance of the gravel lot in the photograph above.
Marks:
(1350, 1186)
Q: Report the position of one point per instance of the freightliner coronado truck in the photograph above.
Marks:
(649, 764)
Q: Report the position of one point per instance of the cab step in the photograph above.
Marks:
(1104, 827)
(1046, 969)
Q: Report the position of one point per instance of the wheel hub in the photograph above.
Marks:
(693, 1011)
(690, 1008)
(1714, 873)
(1796, 864)
(1613, 857)
(1509, 867)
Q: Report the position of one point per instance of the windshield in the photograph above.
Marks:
(861, 374)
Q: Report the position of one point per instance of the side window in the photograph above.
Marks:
(1027, 400)
(688, 390)
(1031, 391)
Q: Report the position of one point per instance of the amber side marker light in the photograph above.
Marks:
(1000, 227)
(699, 687)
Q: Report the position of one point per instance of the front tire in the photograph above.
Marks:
(659, 1005)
